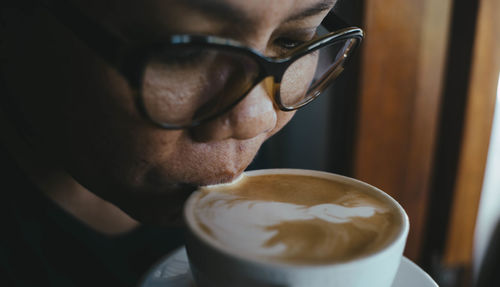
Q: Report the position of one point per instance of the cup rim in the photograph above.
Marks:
(216, 246)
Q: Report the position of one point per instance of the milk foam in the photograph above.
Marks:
(243, 224)
(296, 219)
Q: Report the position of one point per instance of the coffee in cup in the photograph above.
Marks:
(273, 220)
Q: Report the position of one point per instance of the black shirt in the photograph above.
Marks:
(43, 245)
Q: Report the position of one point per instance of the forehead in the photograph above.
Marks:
(203, 16)
(251, 10)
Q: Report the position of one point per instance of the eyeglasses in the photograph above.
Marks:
(186, 80)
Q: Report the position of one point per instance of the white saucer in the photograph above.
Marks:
(173, 271)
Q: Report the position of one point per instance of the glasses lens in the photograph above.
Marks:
(310, 74)
(185, 85)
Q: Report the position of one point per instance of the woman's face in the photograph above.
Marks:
(83, 114)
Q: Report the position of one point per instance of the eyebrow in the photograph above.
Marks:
(221, 10)
(312, 10)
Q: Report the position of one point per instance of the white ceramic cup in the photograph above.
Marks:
(213, 265)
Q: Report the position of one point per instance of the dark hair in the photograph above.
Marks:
(9, 106)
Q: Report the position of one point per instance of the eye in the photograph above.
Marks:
(289, 40)
(288, 43)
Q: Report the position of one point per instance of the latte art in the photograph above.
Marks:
(295, 219)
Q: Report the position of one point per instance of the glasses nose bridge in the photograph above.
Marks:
(271, 74)
(275, 68)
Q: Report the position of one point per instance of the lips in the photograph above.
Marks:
(209, 163)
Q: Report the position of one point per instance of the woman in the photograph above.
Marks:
(114, 111)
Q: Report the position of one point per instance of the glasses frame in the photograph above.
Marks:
(130, 60)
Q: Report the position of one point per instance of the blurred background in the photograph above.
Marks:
(414, 114)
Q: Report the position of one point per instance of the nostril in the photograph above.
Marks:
(216, 129)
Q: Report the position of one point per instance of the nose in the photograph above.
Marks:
(253, 116)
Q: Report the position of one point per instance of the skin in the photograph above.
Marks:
(87, 146)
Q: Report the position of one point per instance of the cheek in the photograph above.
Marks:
(107, 142)
(187, 85)
(172, 95)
